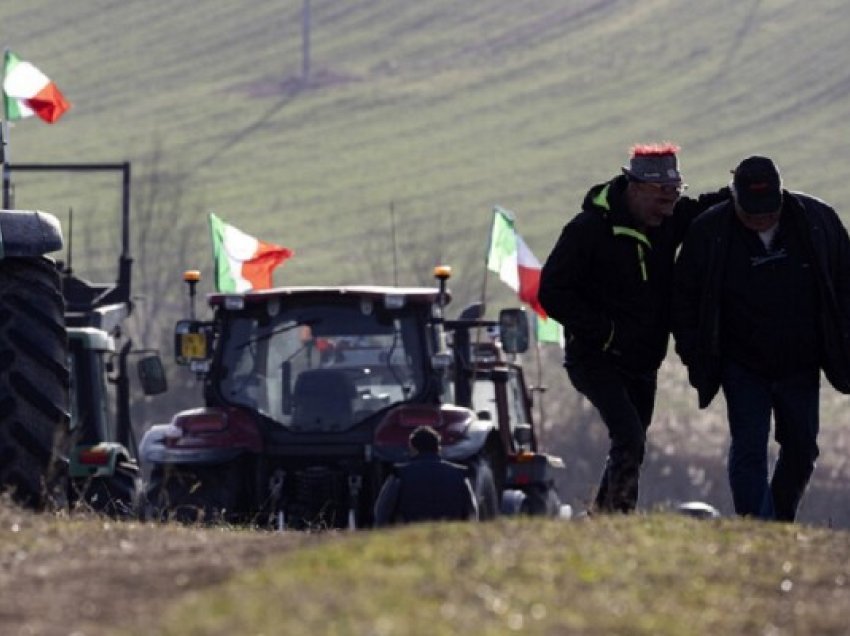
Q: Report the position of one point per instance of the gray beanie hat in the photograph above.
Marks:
(654, 163)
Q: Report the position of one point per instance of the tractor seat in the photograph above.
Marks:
(323, 400)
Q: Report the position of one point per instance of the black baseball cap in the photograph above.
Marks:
(758, 186)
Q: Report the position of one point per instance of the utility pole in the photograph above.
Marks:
(395, 244)
(305, 42)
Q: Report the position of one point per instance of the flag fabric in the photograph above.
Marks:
(517, 267)
(242, 262)
(513, 261)
(502, 254)
(549, 330)
(27, 92)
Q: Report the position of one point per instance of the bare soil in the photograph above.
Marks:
(92, 576)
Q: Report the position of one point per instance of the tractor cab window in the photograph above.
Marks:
(484, 399)
(322, 366)
(486, 395)
(89, 395)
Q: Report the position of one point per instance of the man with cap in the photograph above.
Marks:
(608, 281)
(761, 305)
(427, 488)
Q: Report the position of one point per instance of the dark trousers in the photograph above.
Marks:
(625, 402)
(794, 402)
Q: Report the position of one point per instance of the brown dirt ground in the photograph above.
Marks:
(92, 576)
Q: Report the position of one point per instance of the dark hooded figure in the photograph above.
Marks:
(427, 488)
(608, 281)
(761, 306)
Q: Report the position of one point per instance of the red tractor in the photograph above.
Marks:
(311, 393)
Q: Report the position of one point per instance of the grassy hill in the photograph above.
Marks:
(441, 108)
(656, 575)
(415, 119)
(645, 574)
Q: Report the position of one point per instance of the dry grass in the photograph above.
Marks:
(649, 574)
(87, 574)
(645, 574)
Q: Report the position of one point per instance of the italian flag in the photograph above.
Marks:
(242, 262)
(517, 267)
(27, 92)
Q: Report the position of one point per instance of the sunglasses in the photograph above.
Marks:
(666, 188)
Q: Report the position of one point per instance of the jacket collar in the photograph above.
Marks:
(609, 199)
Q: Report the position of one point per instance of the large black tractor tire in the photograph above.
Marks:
(207, 494)
(34, 383)
(484, 486)
(117, 495)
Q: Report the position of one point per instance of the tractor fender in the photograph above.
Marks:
(472, 443)
(28, 233)
(208, 435)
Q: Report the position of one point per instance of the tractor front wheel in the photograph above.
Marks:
(117, 495)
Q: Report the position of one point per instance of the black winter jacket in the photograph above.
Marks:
(427, 488)
(700, 271)
(609, 284)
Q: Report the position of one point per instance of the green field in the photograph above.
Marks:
(439, 108)
(414, 120)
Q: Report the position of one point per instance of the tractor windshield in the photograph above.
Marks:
(321, 366)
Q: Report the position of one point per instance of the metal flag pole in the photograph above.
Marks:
(483, 309)
(540, 388)
(4, 157)
(486, 259)
(4, 139)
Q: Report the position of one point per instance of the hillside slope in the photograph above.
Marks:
(415, 119)
(642, 574)
(441, 108)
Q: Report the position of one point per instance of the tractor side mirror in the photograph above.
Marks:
(192, 341)
(513, 330)
(152, 375)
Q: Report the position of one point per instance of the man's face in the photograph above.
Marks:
(757, 222)
(651, 203)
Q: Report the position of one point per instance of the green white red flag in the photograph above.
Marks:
(517, 267)
(242, 262)
(27, 92)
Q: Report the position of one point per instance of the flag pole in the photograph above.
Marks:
(483, 294)
(4, 139)
(211, 225)
(539, 389)
(487, 258)
(4, 156)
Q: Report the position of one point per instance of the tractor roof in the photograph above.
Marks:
(419, 295)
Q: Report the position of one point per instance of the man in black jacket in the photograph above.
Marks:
(426, 488)
(608, 281)
(761, 305)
